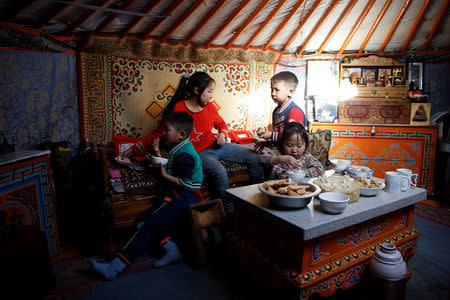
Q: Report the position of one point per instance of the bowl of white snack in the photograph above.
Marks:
(361, 171)
(340, 165)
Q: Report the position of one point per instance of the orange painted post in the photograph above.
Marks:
(225, 23)
(322, 19)
(56, 10)
(168, 12)
(180, 20)
(83, 17)
(267, 20)
(243, 26)
(288, 17)
(136, 20)
(356, 26)
(338, 24)
(394, 26)
(205, 20)
(299, 27)
(435, 25)
(375, 25)
(416, 23)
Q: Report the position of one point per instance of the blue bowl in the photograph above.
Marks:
(361, 171)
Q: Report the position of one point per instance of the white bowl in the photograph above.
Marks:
(333, 202)
(159, 160)
(340, 165)
(291, 201)
(368, 191)
(296, 176)
(363, 171)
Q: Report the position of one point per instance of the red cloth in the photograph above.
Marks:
(201, 137)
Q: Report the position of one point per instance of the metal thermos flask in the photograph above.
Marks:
(387, 274)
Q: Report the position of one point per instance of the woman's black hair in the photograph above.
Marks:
(199, 80)
(293, 128)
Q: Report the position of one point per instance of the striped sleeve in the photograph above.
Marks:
(312, 166)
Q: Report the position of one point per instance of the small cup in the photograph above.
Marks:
(412, 177)
(395, 182)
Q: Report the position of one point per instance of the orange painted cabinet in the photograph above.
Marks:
(386, 148)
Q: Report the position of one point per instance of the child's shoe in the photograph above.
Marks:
(109, 271)
(172, 255)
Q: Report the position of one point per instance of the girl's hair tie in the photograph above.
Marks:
(186, 75)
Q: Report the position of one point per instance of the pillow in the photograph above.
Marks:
(318, 146)
(122, 143)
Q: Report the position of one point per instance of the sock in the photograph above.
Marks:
(110, 270)
(172, 255)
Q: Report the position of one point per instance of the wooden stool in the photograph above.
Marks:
(206, 218)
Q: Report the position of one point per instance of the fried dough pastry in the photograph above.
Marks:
(369, 183)
(283, 187)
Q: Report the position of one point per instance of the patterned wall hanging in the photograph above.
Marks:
(124, 94)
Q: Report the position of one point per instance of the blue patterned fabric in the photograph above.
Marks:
(38, 98)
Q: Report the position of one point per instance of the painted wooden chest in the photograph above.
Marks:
(27, 195)
(386, 148)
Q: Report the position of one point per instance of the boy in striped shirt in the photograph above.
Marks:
(282, 87)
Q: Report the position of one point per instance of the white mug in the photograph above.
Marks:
(395, 182)
(411, 177)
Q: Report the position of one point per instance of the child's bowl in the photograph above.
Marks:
(159, 160)
(296, 176)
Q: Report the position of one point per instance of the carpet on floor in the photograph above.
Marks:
(75, 277)
(434, 212)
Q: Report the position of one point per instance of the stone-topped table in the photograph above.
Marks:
(306, 251)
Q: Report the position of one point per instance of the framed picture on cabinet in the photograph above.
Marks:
(384, 74)
(368, 75)
(355, 75)
(420, 113)
(398, 81)
(415, 75)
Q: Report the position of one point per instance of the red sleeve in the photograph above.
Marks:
(144, 145)
(219, 123)
(296, 115)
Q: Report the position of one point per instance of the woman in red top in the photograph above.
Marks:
(194, 95)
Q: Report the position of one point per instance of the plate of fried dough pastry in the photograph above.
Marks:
(285, 193)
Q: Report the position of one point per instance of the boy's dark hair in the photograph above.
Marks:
(199, 80)
(181, 120)
(293, 128)
(287, 77)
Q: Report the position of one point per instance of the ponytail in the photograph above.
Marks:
(199, 80)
